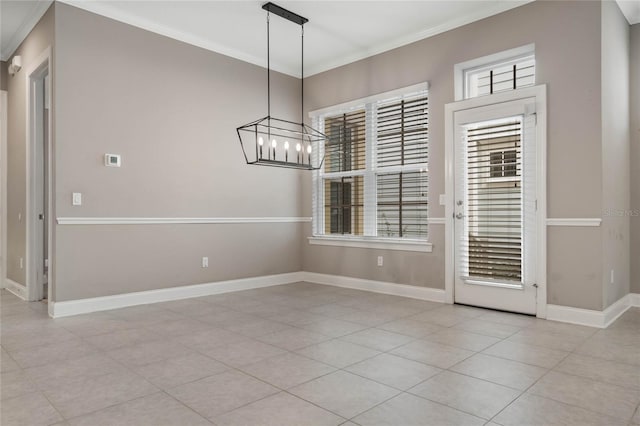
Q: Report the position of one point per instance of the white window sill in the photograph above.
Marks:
(373, 243)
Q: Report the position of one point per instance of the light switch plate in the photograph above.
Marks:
(76, 199)
(443, 199)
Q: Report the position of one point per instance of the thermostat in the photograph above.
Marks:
(112, 160)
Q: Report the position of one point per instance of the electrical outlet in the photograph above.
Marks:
(205, 262)
(380, 260)
(612, 277)
(76, 199)
(21, 263)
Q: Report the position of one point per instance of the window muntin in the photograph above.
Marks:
(374, 180)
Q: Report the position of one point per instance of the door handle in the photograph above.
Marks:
(459, 216)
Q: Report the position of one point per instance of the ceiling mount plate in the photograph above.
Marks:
(284, 13)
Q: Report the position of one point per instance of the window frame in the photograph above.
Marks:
(370, 238)
(506, 56)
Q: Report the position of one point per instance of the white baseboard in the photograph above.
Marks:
(94, 304)
(15, 288)
(593, 318)
(415, 292)
(83, 306)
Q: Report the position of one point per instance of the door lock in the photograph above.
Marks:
(459, 216)
(41, 216)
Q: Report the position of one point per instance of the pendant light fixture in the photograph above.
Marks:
(271, 141)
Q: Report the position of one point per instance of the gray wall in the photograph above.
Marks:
(3, 75)
(567, 39)
(615, 153)
(170, 109)
(635, 157)
(41, 37)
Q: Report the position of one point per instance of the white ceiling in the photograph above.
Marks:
(631, 9)
(338, 32)
(17, 19)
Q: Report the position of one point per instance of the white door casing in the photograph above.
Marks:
(525, 293)
(36, 72)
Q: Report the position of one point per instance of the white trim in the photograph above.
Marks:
(493, 59)
(574, 221)
(593, 318)
(359, 103)
(32, 19)
(175, 220)
(35, 69)
(94, 304)
(372, 243)
(540, 94)
(436, 221)
(3, 187)
(404, 290)
(15, 288)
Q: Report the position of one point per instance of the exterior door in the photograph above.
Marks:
(495, 206)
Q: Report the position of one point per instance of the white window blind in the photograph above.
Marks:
(493, 242)
(402, 143)
(374, 180)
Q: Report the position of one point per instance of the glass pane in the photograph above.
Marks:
(344, 205)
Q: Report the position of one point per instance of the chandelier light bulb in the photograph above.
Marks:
(274, 143)
(260, 141)
(298, 147)
(286, 144)
(309, 149)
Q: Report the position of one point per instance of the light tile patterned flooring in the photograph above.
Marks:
(304, 354)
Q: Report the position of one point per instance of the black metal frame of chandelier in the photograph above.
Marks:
(284, 13)
(279, 163)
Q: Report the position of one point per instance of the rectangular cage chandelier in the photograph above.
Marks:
(276, 142)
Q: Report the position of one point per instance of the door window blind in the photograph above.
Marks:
(494, 228)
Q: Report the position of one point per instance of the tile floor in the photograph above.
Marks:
(304, 354)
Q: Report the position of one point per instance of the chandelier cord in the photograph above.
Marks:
(268, 71)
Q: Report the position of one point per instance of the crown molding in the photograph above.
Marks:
(31, 20)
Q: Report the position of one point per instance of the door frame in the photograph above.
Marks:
(4, 118)
(540, 94)
(36, 71)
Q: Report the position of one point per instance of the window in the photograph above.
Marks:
(500, 77)
(500, 72)
(503, 163)
(374, 183)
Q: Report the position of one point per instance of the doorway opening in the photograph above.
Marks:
(39, 224)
